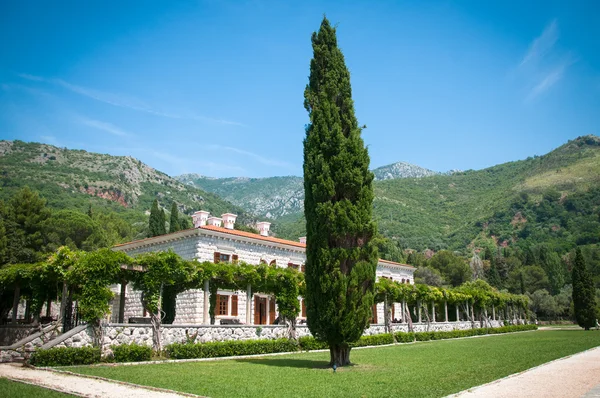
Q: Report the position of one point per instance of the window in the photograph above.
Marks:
(294, 266)
(234, 258)
(274, 262)
(374, 312)
(221, 258)
(222, 304)
(303, 268)
(234, 305)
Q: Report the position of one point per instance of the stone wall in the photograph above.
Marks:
(24, 347)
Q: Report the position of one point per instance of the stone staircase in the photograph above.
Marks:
(22, 349)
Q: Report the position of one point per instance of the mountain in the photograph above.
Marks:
(269, 198)
(402, 170)
(74, 179)
(276, 197)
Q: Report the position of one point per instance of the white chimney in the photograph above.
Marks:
(214, 221)
(228, 220)
(199, 218)
(263, 227)
(302, 239)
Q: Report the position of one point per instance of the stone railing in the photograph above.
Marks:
(24, 347)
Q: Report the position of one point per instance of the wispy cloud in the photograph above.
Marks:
(104, 126)
(50, 139)
(124, 101)
(545, 63)
(257, 157)
(542, 44)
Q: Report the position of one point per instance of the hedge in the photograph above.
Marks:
(65, 356)
(134, 352)
(131, 353)
(229, 348)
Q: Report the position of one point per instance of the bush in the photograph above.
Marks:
(402, 337)
(377, 339)
(132, 353)
(229, 348)
(65, 356)
(309, 343)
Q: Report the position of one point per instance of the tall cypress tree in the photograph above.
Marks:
(340, 257)
(156, 224)
(174, 225)
(584, 299)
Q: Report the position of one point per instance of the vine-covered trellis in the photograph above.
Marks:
(86, 277)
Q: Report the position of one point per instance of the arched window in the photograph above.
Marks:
(274, 262)
(402, 280)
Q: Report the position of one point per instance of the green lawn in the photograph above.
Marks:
(13, 389)
(431, 369)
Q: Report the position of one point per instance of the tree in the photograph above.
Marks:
(174, 225)
(453, 268)
(340, 257)
(24, 223)
(584, 298)
(476, 267)
(156, 224)
(429, 276)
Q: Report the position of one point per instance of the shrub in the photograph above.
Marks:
(132, 353)
(65, 356)
(402, 337)
(309, 343)
(229, 348)
(377, 339)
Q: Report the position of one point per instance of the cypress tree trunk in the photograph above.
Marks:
(340, 257)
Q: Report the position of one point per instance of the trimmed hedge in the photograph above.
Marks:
(135, 352)
(229, 348)
(65, 356)
(131, 353)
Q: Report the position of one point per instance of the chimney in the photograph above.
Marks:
(302, 239)
(228, 220)
(214, 221)
(263, 228)
(199, 218)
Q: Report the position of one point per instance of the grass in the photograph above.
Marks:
(430, 369)
(13, 389)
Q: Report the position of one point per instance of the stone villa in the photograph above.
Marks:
(215, 239)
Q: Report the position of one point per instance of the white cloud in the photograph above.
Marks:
(104, 126)
(259, 158)
(124, 101)
(542, 44)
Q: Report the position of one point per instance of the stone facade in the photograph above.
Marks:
(203, 244)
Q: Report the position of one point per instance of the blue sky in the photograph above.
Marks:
(216, 87)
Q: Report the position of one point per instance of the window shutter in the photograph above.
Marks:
(234, 258)
(374, 310)
(303, 268)
(217, 257)
(234, 305)
(272, 312)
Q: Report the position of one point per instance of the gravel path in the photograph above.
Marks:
(82, 386)
(573, 376)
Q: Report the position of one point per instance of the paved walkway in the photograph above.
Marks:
(574, 376)
(82, 386)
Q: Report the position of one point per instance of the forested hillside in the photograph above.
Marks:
(120, 187)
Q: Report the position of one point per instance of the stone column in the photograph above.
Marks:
(457, 312)
(122, 297)
(433, 311)
(493, 312)
(15, 308)
(249, 305)
(446, 311)
(206, 307)
(403, 311)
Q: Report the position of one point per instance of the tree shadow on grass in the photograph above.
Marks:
(288, 363)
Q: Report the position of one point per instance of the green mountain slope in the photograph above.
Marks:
(552, 198)
(74, 179)
(269, 198)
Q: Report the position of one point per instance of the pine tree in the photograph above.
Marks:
(174, 225)
(584, 299)
(156, 224)
(340, 257)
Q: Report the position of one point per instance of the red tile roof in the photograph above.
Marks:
(252, 235)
